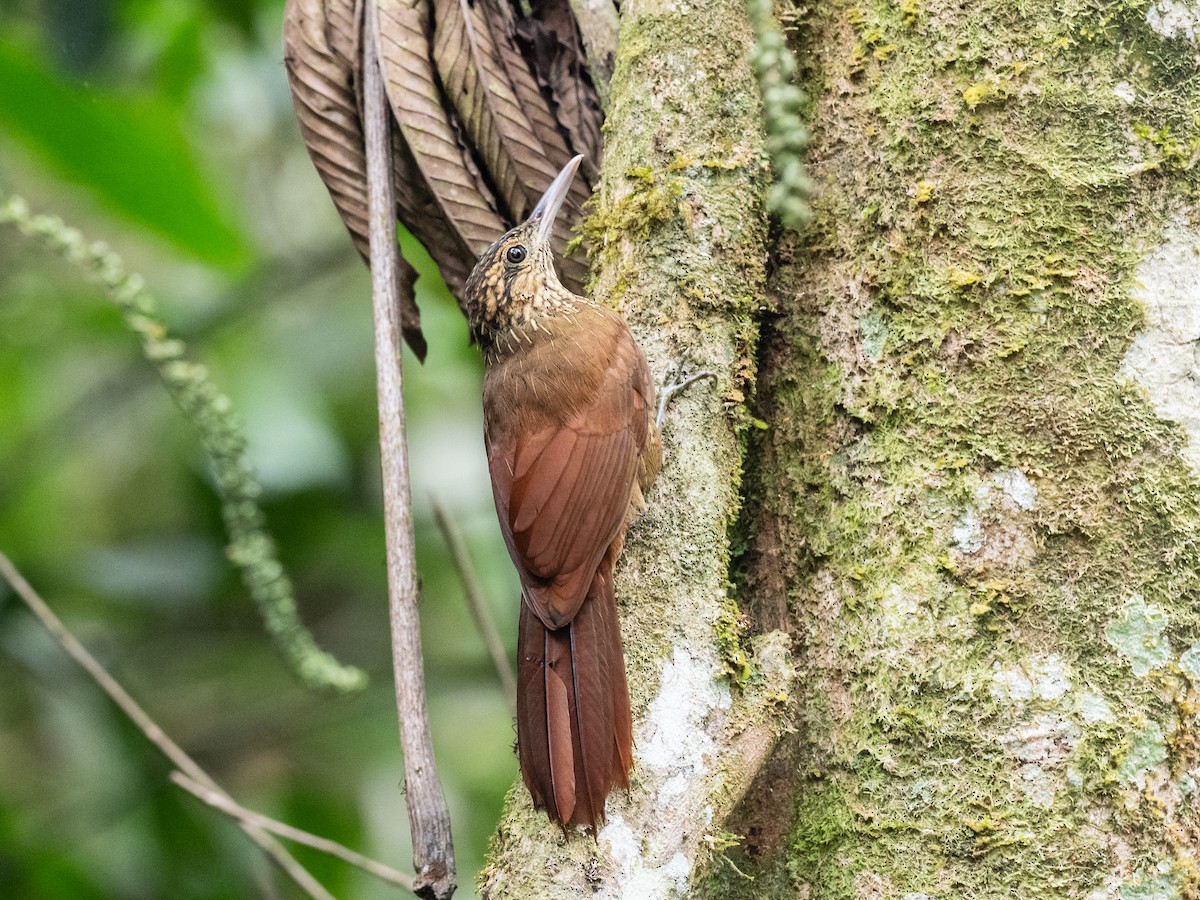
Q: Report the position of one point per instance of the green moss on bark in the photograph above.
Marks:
(679, 241)
(952, 329)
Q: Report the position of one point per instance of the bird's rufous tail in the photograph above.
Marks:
(574, 728)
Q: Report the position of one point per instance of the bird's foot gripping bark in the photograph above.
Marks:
(671, 388)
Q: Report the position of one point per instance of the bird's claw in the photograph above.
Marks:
(670, 390)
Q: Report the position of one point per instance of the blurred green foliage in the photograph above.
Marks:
(165, 127)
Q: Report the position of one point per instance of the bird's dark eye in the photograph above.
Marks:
(515, 254)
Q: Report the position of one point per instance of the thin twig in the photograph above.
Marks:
(150, 728)
(221, 802)
(484, 620)
(429, 819)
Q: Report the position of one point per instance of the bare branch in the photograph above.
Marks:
(429, 819)
(150, 728)
(484, 620)
(223, 803)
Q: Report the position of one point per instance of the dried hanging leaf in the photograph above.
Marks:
(317, 35)
(508, 143)
(414, 203)
(480, 92)
(523, 115)
(327, 109)
(343, 30)
(502, 27)
(461, 219)
(549, 130)
(550, 41)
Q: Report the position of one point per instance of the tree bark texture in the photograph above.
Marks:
(972, 508)
(680, 237)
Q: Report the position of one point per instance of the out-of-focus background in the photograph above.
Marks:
(165, 127)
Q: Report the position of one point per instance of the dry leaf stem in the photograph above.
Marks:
(429, 819)
(480, 611)
(222, 802)
(147, 726)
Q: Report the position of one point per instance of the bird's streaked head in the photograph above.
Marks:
(515, 276)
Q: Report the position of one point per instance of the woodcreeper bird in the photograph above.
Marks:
(572, 442)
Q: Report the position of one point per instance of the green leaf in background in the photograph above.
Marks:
(131, 152)
(239, 12)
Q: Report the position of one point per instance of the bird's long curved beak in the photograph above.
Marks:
(547, 208)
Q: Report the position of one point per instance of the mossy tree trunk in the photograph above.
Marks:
(680, 235)
(973, 508)
(980, 531)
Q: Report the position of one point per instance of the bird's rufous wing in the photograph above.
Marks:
(562, 489)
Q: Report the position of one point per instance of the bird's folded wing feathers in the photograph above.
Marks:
(563, 491)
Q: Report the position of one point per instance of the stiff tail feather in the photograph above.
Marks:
(574, 727)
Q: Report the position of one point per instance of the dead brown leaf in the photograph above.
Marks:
(324, 81)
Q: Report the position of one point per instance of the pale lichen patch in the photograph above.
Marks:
(1151, 886)
(1047, 740)
(1174, 18)
(1093, 708)
(1139, 635)
(674, 738)
(1164, 358)
(682, 743)
(874, 331)
(1043, 677)
(1189, 662)
(636, 878)
(993, 533)
(870, 886)
(967, 534)
(1186, 785)
(899, 612)
(1016, 487)
(678, 868)
(677, 747)
(1147, 751)
(1039, 786)
(1040, 745)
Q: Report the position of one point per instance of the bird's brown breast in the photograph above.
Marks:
(570, 437)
